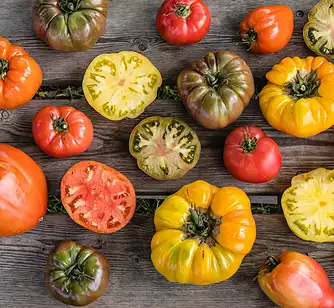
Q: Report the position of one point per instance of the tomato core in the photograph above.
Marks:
(182, 10)
(60, 125)
(303, 86)
(4, 67)
(68, 6)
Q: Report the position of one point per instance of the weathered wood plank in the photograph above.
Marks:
(134, 281)
(131, 26)
(110, 146)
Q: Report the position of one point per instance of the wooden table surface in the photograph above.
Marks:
(134, 282)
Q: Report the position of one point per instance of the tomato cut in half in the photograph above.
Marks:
(121, 85)
(98, 197)
(165, 148)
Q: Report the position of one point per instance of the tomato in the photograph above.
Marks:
(70, 25)
(308, 205)
(183, 22)
(298, 98)
(76, 274)
(62, 131)
(121, 85)
(165, 148)
(294, 280)
(202, 234)
(267, 29)
(23, 190)
(318, 31)
(251, 156)
(98, 197)
(20, 76)
(216, 89)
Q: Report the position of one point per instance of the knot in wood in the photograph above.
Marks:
(140, 44)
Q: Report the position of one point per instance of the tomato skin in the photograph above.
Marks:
(22, 78)
(259, 166)
(267, 29)
(297, 281)
(98, 197)
(23, 190)
(50, 135)
(178, 30)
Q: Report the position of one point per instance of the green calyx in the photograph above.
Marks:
(270, 263)
(68, 6)
(214, 80)
(182, 10)
(249, 38)
(74, 273)
(60, 125)
(249, 144)
(4, 67)
(303, 87)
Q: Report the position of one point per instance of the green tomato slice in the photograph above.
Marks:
(165, 148)
(308, 205)
(121, 85)
(319, 31)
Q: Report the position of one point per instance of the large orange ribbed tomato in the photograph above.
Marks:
(23, 191)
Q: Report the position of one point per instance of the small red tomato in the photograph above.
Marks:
(295, 280)
(267, 29)
(62, 131)
(183, 22)
(251, 156)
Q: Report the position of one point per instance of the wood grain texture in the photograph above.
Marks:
(110, 146)
(134, 281)
(131, 26)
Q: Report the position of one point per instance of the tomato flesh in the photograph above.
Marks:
(98, 197)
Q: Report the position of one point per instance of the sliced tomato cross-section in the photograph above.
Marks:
(98, 197)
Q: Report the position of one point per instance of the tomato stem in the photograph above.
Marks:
(249, 38)
(60, 125)
(182, 10)
(4, 67)
(304, 87)
(68, 6)
(249, 144)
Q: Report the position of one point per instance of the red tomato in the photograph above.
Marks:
(296, 281)
(251, 156)
(98, 197)
(183, 22)
(62, 131)
(23, 192)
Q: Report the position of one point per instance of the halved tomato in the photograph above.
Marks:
(98, 197)
(121, 85)
(165, 148)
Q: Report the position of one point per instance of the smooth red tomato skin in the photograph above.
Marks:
(183, 31)
(273, 26)
(76, 140)
(23, 191)
(298, 281)
(259, 166)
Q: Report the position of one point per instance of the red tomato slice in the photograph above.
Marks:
(98, 197)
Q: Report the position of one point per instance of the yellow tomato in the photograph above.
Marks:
(298, 99)
(203, 234)
(121, 85)
(308, 205)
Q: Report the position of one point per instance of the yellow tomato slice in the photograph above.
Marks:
(308, 205)
(121, 85)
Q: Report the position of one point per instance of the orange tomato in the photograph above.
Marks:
(267, 29)
(23, 191)
(20, 76)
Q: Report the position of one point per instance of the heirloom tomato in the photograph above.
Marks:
(203, 234)
(216, 88)
(294, 280)
(62, 131)
(183, 22)
(308, 205)
(121, 85)
(251, 156)
(76, 274)
(318, 31)
(298, 98)
(267, 29)
(23, 190)
(98, 197)
(165, 148)
(20, 76)
(70, 25)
